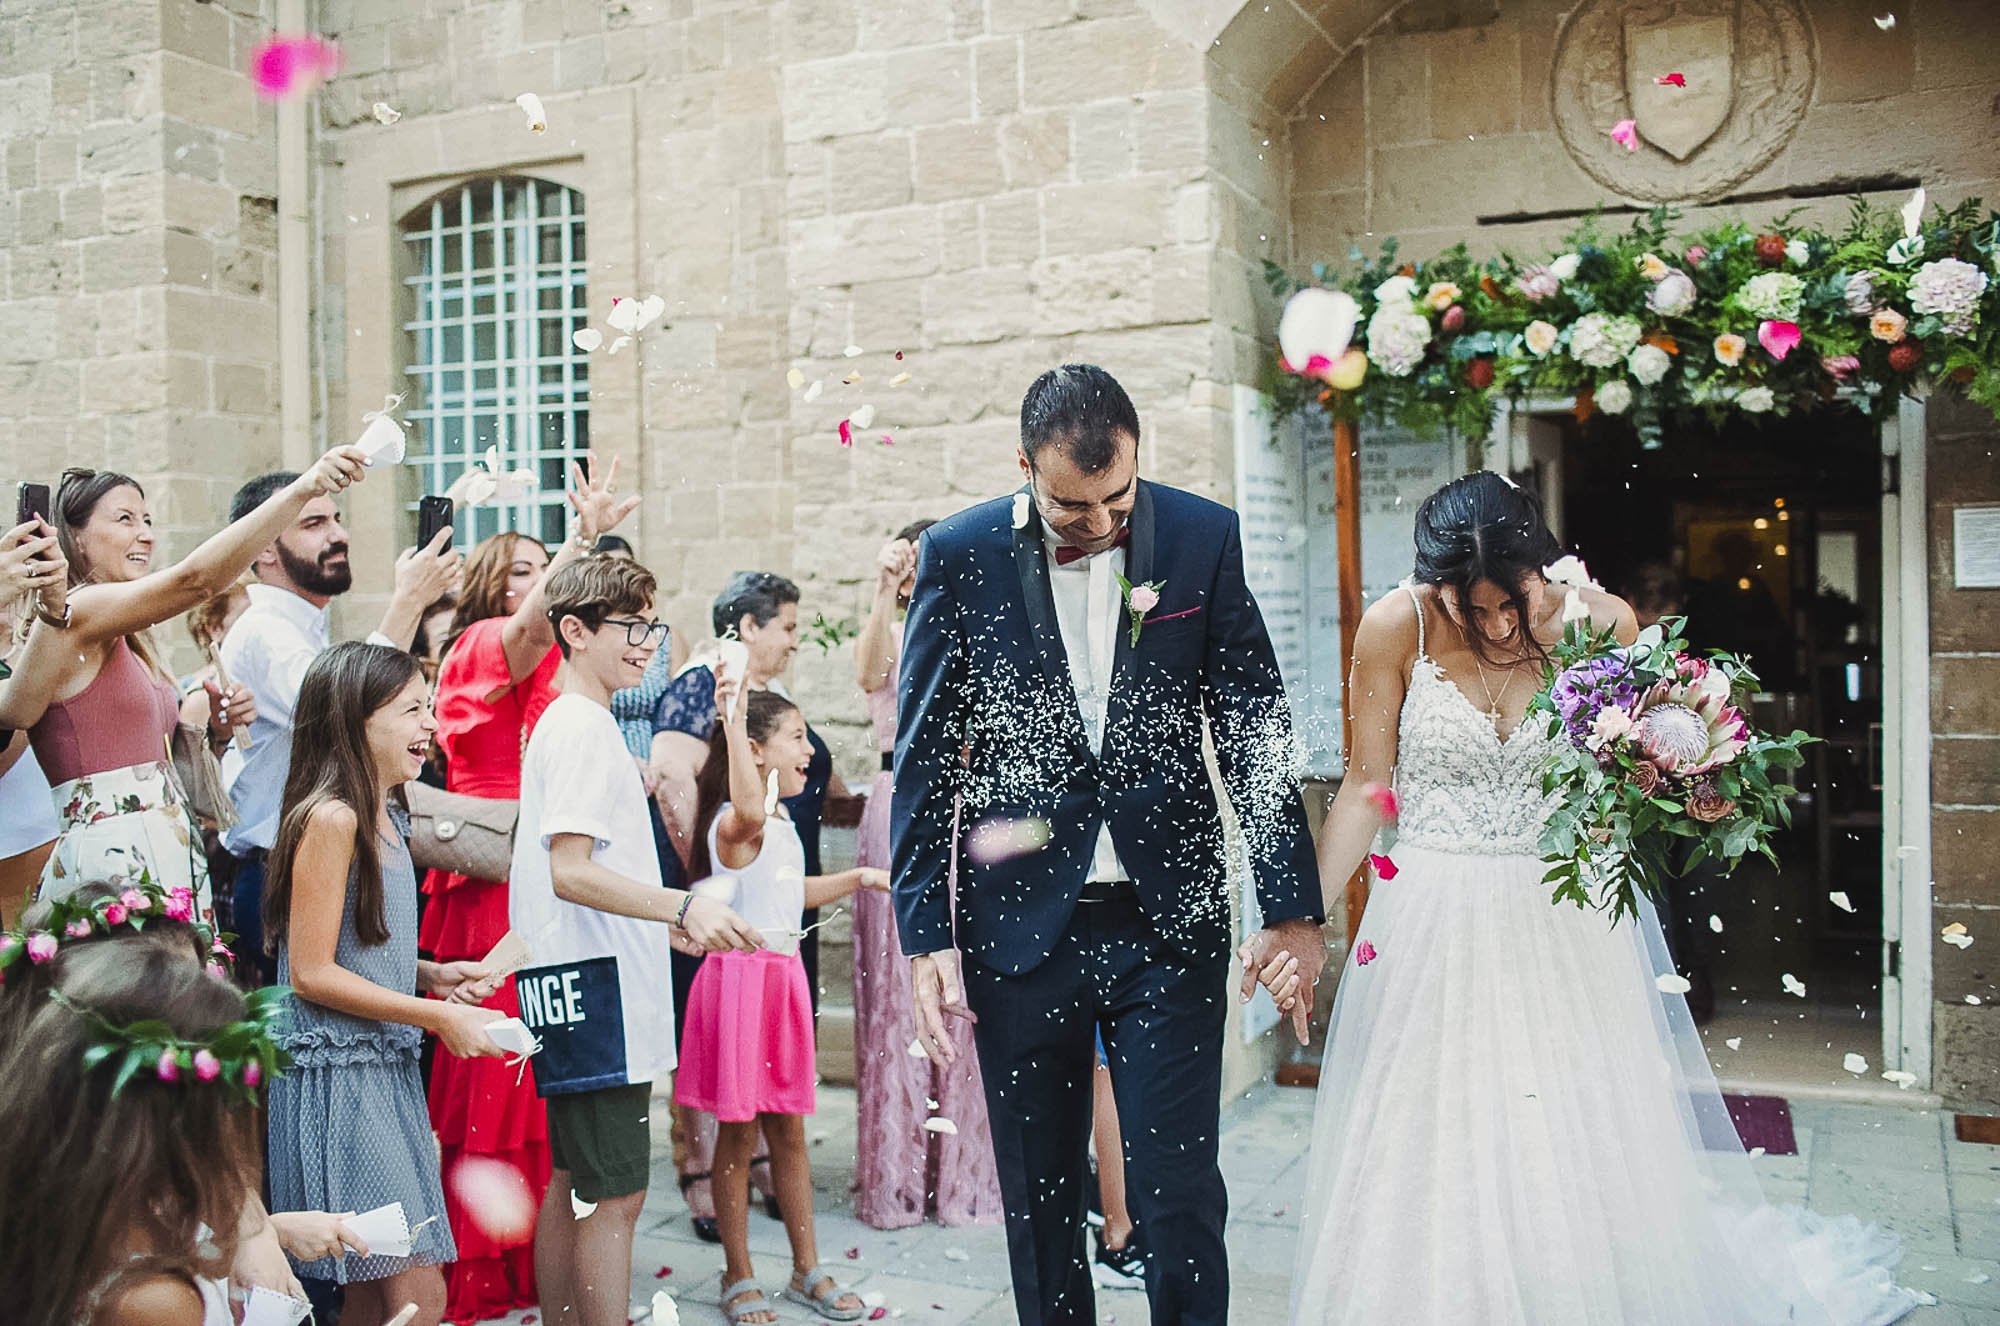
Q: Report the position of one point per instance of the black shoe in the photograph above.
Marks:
(706, 1229)
(1119, 1268)
(771, 1207)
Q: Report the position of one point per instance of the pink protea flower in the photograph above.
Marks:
(1364, 953)
(41, 946)
(115, 914)
(77, 929)
(206, 1066)
(169, 1068)
(1840, 367)
(135, 901)
(1690, 728)
(180, 905)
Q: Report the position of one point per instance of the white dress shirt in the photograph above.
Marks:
(268, 650)
(1088, 611)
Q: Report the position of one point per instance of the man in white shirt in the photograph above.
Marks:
(270, 647)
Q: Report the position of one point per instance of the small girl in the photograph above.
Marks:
(747, 1056)
(348, 1128)
(131, 1130)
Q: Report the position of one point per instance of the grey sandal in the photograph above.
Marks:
(736, 1311)
(824, 1306)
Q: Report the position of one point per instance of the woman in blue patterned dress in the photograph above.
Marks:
(348, 1126)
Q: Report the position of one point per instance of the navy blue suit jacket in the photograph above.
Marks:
(987, 718)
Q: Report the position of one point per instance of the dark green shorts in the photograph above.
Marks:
(603, 1138)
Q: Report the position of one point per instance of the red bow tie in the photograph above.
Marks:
(1065, 553)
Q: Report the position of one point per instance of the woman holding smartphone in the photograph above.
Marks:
(34, 576)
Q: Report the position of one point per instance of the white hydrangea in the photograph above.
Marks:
(1565, 266)
(1950, 289)
(1615, 396)
(1798, 253)
(1396, 290)
(1772, 295)
(1601, 340)
(1397, 338)
(1756, 400)
(1648, 364)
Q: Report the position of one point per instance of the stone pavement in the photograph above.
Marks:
(1901, 1167)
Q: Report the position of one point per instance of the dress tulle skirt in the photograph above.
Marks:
(747, 1047)
(1516, 1127)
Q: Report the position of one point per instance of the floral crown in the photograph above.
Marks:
(240, 1055)
(75, 917)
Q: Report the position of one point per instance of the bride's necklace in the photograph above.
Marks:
(1492, 702)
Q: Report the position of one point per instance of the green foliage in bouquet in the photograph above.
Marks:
(1653, 767)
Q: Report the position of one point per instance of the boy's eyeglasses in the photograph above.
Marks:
(638, 632)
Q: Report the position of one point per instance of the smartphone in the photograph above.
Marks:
(31, 502)
(433, 514)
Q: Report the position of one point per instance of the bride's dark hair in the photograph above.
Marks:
(1483, 527)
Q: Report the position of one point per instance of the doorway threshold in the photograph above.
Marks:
(1858, 1092)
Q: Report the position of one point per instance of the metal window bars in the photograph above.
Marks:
(499, 288)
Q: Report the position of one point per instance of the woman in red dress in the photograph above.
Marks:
(497, 677)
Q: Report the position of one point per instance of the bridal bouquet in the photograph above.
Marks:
(1648, 750)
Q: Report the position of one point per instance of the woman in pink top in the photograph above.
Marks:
(904, 1174)
(97, 705)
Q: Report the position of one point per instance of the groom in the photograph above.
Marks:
(1061, 717)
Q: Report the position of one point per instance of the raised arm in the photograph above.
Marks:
(739, 830)
(932, 711)
(875, 648)
(103, 611)
(527, 637)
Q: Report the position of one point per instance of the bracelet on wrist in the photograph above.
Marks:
(680, 917)
(59, 623)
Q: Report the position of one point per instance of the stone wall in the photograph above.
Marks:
(138, 249)
(1965, 764)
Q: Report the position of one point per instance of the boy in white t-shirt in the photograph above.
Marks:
(585, 895)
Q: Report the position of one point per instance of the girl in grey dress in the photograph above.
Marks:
(348, 1126)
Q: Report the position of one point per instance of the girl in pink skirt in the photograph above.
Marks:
(747, 1053)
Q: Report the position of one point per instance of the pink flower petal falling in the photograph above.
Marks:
(286, 67)
(846, 433)
(888, 441)
(1364, 953)
(1625, 133)
(1778, 338)
(1383, 798)
(1385, 869)
(1672, 80)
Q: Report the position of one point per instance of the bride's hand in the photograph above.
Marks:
(1282, 978)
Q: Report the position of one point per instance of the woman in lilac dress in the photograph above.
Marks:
(904, 1174)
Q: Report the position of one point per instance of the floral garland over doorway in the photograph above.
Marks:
(1730, 319)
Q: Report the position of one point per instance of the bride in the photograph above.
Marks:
(1515, 1126)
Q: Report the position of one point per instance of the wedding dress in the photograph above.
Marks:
(1515, 1127)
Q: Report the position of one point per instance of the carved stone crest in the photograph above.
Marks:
(1748, 66)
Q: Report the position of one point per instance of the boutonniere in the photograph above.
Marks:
(1139, 600)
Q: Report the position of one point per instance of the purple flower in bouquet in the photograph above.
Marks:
(1583, 690)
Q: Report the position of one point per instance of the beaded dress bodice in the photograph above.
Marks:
(1463, 788)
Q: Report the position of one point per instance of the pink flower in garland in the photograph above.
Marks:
(1364, 953)
(169, 1068)
(253, 1074)
(115, 914)
(41, 946)
(1778, 338)
(134, 900)
(206, 1066)
(180, 905)
(77, 929)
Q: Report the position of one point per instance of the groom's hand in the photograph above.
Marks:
(940, 993)
(1292, 954)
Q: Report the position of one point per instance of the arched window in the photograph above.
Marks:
(498, 270)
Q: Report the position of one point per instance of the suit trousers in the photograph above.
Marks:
(1161, 1017)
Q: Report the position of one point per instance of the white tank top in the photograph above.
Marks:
(770, 892)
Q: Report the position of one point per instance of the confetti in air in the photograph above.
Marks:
(496, 1199)
(863, 417)
(635, 315)
(587, 339)
(939, 1125)
(1855, 1064)
(1885, 21)
(580, 1208)
(1903, 1081)
(287, 67)
(385, 113)
(1793, 985)
(846, 432)
(1625, 133)
(1002, 839)
(794, 378)
(1715, 924)
(1734, 1042)
(853, 352)
(1842, 901)
(916, 1050)
(1672, 80)
(531, 106)
(899, 379)
(1673, 983)
(853, 376)
(666, 1312)
(812, 392)
(1364, 953)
